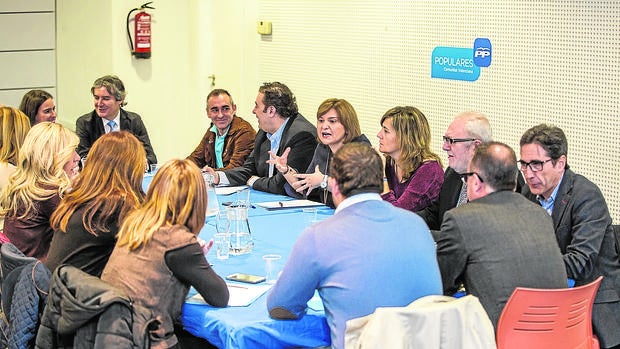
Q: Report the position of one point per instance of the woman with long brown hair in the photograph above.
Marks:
(88, 218)
(158, 255)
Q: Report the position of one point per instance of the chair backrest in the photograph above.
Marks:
(429, 322)
(543, 318)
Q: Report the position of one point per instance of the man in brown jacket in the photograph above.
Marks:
(229, 139)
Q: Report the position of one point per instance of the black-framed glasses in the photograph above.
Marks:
(466, 175)
(456, 140)
(534, 165)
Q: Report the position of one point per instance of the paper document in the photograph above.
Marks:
(278, 205)
(241, 295)
(229, 190)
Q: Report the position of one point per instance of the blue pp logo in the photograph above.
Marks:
(482, 52)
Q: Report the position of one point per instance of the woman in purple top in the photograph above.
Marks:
(414, 173)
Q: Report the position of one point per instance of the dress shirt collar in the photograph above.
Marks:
(217, 132)
(117, 120)
(548, 204)
(357, 199)
(276, 136)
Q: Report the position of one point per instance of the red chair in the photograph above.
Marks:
(549, 318)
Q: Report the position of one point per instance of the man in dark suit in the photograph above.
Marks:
(499, 240)
(465, 133)
(581, 220)
(108, 116)
(281, 126)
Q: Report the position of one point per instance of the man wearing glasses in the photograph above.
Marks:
(499, 240)
(581, 220)
(465, 133)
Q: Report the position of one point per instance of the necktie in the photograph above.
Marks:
(112, 125)
(462, 195)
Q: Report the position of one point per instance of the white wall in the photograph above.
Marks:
(553, 62)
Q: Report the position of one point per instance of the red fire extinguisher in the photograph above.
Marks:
(142, 32)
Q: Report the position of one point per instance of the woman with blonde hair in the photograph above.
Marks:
(38, 105)
(46, 165)
(413, 172)
(88, 218)
(14, 126)
(158, 255)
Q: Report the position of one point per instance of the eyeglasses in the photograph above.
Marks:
(466, 175)
(534, 165)
(456, 140)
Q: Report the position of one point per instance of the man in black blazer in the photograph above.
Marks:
(281, 126)
(465, 133)
(108, 116)
(499, 240)
(581, 220)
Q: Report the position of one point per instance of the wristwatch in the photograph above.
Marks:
(324, 182)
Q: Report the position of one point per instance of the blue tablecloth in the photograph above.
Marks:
(251, 326)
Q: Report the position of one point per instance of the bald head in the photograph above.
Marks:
(496, 163)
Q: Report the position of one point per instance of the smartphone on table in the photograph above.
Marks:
(247, 278)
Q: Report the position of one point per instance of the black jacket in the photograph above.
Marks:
(85, 312)
(89, 128)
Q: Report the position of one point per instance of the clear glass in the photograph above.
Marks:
(213, 207)
(272, 267)
(221, 242)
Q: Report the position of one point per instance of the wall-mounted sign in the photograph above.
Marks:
(459, 63)
(482, 52)
(454, 63)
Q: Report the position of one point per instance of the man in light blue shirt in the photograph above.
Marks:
(361, 258)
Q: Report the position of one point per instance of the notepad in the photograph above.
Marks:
(279, 205)
(241, 295)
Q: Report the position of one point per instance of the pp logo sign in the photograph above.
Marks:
(482, 52)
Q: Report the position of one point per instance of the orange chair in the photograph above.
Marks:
(549, 318)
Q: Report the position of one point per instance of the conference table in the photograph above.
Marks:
(273, 232)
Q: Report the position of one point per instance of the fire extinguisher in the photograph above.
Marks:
(142, 32)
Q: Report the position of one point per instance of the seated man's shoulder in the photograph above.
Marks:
(301, 124)
(86, 117)
(239, 124)
(130, 115)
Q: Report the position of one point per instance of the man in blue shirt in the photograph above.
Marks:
(581, 220)
(361, 258)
